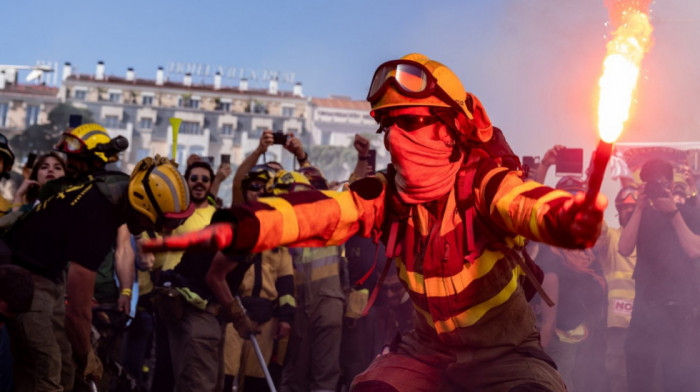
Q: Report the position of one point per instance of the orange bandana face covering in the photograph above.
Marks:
(424, 171)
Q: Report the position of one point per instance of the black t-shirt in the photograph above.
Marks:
(581, 297)
(76, 225)
(664, 272)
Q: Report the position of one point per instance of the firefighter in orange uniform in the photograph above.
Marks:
(453, 219)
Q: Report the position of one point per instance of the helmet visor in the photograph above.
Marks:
(71, 144)
(410, 78)
(171, 220)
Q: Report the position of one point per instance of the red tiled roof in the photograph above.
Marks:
(31, 89)
(341, 103)
(176, 85)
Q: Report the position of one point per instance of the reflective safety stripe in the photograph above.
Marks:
(436, 285)
(287, 299)
(504, 202)
(621, 293)
(536, 220)
(472, 315)
(348, 214)
(290, 228)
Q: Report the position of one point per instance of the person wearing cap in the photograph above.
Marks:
(617, 270)
(77, 225)
(662, 333)
(474, 330)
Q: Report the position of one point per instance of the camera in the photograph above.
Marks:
(279, 138)
(656, 189)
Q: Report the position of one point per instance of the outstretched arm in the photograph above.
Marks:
(536, 211)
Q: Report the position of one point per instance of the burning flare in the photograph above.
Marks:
(631, 40)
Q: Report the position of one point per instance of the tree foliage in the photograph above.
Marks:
(42, 138)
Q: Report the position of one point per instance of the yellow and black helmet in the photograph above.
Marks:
(88, 140)
(158, 191)
(288, 182)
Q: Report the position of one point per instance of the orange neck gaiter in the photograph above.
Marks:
(423, 169)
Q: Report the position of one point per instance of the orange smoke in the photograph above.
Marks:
(631, 40)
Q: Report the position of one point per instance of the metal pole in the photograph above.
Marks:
(259, 354)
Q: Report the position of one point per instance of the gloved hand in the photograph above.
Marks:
(213, 237)
(92, 371)
(582, 220)
(233, 312)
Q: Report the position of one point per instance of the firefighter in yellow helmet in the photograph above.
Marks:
(89, 148)
(78, 225)
(454, 212)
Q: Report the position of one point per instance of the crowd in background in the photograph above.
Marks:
(158, 323)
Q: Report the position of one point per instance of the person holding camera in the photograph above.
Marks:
(290, 142)
(666, 315)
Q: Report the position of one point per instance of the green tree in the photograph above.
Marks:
(42, 138)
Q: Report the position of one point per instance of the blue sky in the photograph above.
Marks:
(534, 63)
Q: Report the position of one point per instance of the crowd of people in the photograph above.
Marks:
(452, 269)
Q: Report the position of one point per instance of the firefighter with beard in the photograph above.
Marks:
(460, 264)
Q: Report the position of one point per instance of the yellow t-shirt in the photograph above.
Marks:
(199, 220)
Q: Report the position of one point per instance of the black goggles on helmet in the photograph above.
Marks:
(410, 78)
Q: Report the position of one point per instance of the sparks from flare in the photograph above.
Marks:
(631, 40)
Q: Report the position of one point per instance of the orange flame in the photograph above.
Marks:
(621, 71)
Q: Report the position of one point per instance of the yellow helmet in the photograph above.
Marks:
(158, 191)
(288, 182)
(416, 80)
(85, 140)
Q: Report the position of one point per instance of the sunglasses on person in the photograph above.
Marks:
(197, 177)
(71, 144)
(411, 79)
(407, 122)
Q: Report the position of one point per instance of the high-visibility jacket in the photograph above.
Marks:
(618, 270)
(460, 302)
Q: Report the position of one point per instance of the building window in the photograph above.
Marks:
(227, 129)
(142, 153)
(188, 103)
(111, 122)
(194, 103)
(259, 107)
(225, 106)
(80, 95)
(32, 115)
(147, 100)
(115, 97)
(4, 108)
(191, 128)
(295, 131)
(146, 123)
(287, 111)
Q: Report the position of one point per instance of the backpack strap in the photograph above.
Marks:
(391, 251)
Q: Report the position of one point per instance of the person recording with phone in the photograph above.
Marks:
(268, 138)
(666, 317)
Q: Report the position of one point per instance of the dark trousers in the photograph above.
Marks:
(663, 336)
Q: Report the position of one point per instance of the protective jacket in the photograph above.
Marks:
(464, 297)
